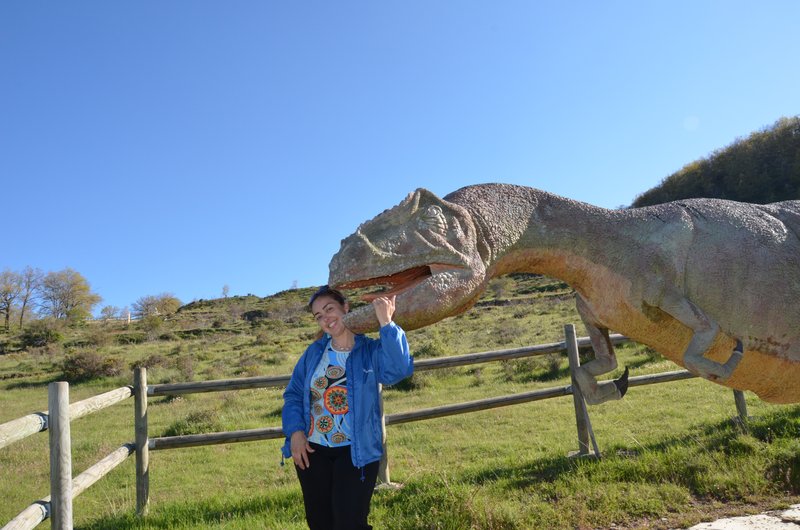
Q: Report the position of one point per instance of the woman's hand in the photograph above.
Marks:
(300, 449)
(384, 309)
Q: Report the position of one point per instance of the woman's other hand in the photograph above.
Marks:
(384, 309)
(300, 449)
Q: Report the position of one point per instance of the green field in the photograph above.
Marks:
(671, 452)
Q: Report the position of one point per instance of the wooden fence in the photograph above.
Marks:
(63, 488)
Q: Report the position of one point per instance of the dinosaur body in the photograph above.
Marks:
(697, 280)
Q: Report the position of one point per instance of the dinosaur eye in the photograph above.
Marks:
(433, 219)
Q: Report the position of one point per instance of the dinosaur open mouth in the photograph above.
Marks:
(393, 284)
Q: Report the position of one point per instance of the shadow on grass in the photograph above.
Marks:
(266, 511)
(687, 460)
(34, 384)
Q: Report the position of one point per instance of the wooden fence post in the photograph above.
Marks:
(581, 414)
(383, 467)
(741, 405)
(142, 441)
(60, 456)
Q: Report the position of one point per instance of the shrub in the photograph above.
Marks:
(255, 315)
(415, 382)
(151, 323)
(150, 361)
(198, 422)
(85, 366)
(41, 333)
(185, 366)
(97, 337)
(263, 338)
(508, 332)
(169, 335)
(212, 372)
(431, 349)
(249, 365)
(131, 338)
(544, 368)
(276, 357)
(477, 373)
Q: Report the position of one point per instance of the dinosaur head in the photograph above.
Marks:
(424, 251)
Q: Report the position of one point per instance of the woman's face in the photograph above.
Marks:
(328, 314)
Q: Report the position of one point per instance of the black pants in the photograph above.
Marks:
(336, 494)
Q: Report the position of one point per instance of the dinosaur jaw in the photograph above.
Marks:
(394, 284)
(424, 295)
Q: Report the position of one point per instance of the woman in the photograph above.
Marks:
(331, 411)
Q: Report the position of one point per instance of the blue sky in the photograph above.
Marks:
(186, 145)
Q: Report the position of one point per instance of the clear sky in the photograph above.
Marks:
(180, 146)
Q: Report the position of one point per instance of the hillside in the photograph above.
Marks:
(671, 454)
(762, 168)
(262, 333)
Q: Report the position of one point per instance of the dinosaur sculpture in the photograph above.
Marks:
(711, 284)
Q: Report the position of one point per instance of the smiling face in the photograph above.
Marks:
(424, 251)
(328, 313)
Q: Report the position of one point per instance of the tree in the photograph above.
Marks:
(162, 304)
(225, 290)
(109, 312)
(31, 284)
(66, 295)
(10, 288)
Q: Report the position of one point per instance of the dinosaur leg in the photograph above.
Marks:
(705, 331)
(604, 361)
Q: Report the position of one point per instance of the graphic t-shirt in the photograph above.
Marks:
(331, 419)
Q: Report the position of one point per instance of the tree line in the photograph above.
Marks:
(65, 296)
(762, 168)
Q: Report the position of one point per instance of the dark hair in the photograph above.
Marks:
(325, 290)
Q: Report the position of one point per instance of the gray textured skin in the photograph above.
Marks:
(688, 278)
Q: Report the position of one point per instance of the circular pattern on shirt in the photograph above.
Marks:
(338, 438)
(324, 424)
(334, 372)
(315, 395)
(321, 382)
(336, 400)
(318, 410)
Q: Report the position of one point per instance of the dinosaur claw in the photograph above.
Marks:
(622, 383)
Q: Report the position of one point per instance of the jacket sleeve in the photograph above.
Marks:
(394, 360)
(292, 416)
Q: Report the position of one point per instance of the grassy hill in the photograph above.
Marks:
(671, 451)
(762, 168)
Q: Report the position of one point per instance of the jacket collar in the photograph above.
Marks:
(322, 342)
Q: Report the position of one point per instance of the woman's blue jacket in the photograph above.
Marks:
(372, 361)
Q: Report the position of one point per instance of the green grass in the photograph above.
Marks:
(671, 452)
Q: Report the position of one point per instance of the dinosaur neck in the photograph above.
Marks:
(528, 230)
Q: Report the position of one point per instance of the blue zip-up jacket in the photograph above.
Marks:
(372, 361)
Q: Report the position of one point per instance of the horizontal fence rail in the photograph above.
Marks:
(215, 438)
(525, 397)
(506, 355)
(217, 385)
(40, 510)
(16, 430)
